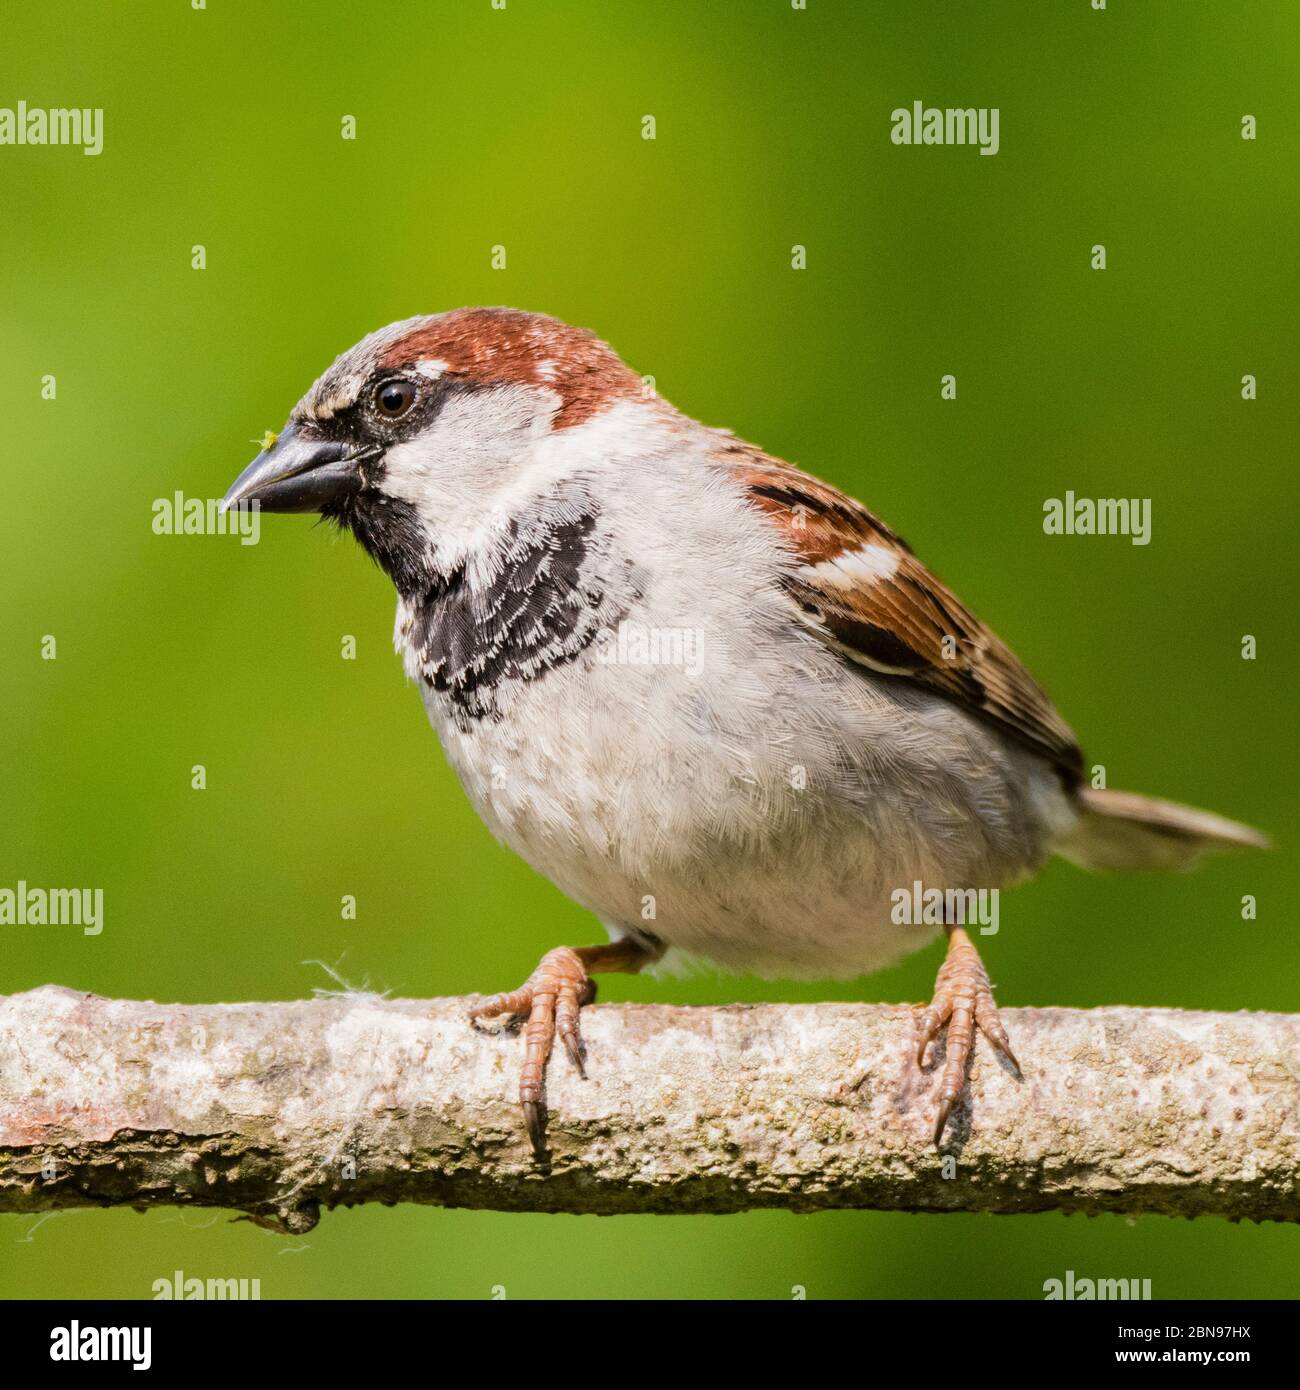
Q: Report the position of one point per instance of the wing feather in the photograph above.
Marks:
(860, 587)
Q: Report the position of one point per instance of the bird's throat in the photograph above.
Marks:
(531, 603)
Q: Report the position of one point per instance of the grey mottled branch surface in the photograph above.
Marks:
(278, 1110)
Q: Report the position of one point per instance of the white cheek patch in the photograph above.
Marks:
(457, 472)
(868, 564)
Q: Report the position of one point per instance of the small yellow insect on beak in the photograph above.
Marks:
(267, 440)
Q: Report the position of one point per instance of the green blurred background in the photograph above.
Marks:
(478, 127)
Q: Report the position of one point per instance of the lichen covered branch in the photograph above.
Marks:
(277, 1110)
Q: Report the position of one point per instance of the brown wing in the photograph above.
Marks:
(862, 590)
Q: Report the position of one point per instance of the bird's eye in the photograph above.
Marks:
(394, 398)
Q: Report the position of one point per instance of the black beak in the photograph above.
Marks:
(298, 475)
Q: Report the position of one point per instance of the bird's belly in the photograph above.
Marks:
(806, 916)
(764, 847)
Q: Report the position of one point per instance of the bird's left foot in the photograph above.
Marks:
(963, 999)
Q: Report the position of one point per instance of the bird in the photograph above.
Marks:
(714, 699)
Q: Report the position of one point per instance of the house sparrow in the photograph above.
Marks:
(559, 537)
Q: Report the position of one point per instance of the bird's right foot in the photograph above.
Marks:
(551, 998)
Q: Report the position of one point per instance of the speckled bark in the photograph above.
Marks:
(280, 1109)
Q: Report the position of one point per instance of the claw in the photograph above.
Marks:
(991, 1026)
(567, 1003)
(535, 1119)
(1005, 1050)
(930, 1021)
(577, 1052)
(945, 1109)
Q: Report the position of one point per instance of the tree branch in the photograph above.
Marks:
(278, 1109)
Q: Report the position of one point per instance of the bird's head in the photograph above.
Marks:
(434, 428)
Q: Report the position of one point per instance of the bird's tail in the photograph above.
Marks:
(1121, 830)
